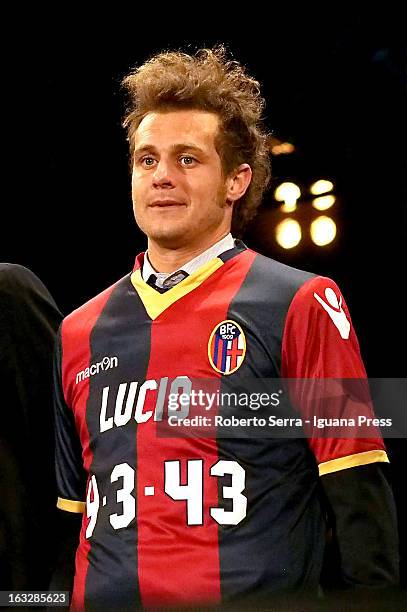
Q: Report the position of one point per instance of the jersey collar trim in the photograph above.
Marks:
(225, 256)
(155, 303)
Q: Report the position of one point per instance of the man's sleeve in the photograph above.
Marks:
(71, 481)
(29, 319)
(320, 354)
(70, 473)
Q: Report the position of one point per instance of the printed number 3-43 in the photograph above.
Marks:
(191, 493)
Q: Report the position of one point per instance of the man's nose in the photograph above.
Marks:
(163, 176)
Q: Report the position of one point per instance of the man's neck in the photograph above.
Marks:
(168, 260)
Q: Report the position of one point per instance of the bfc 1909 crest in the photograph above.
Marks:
(227, 347)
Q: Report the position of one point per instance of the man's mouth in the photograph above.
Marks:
(166, 203)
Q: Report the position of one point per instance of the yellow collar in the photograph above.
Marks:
(155, 303)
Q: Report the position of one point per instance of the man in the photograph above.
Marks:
(192, 521)
(29, 319)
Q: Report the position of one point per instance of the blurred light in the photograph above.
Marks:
(289, 207)
(288, 233)
(289, 194)
(323, 202)
(321, 186)
(279, 147)
(323, 231)
(283, 149)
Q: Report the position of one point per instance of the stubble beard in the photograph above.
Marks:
(176, 233)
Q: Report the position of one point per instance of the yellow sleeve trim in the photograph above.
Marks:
(70, 506)
(343, 463)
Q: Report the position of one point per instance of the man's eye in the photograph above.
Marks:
(187, 160)
(147, 161)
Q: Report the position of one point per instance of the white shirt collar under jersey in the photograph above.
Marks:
(225, 244)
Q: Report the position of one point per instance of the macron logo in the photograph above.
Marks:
(334, 308)
(105, 364)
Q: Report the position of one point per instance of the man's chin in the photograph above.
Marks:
(168, 237)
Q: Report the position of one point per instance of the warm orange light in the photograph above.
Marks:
(282, 149)
(321, 186)
(288, 233)
(323, 202)
(323, 231)
(288, 193)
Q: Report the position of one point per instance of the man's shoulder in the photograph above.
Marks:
(22, 291)
(13, 276)
(86, 314)
(274, 274)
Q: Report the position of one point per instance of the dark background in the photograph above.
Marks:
(335, 87)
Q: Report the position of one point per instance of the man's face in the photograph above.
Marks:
(178, 189)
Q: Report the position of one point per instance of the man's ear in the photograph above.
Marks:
(237, 183)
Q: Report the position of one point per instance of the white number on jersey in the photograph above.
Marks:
(234, 492)
(124, 496)
(191, 492)
(92, 506)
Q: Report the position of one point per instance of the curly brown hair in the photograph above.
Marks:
(208, 81)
